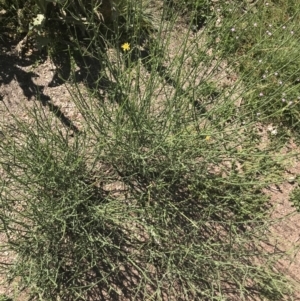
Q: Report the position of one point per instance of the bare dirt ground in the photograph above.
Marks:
(286, 230)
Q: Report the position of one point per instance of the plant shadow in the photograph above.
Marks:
(88, 70)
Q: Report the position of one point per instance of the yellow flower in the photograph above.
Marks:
(207, 138)
(125, 46)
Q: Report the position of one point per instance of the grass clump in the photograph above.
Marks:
(158, 195)
(154, 213)
(262, 40)
(5, 298)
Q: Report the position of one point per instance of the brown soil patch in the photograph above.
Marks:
(286, 230)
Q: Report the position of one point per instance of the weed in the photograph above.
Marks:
(159, 194)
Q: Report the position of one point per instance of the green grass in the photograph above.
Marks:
(5, 298)
(160, 194)
(262, 40)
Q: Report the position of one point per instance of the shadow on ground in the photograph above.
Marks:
(88, 70)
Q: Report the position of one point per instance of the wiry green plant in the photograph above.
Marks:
(262, 40)
(159, 196)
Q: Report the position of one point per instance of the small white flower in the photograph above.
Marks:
(272, 129)
(283, 99)
(283, 27)
(260, 61)
(276, 73)
(261, 94)
(280, 82)
(232, 29)
(292, 32)
(274, 132)
(290, 103)
(255, 24)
